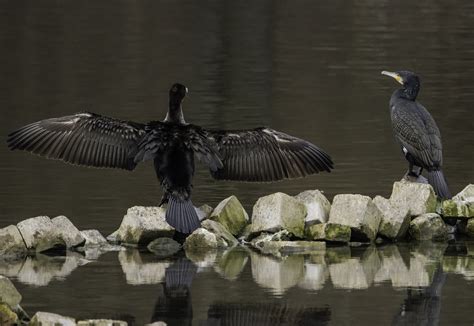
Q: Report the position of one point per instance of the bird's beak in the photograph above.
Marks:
(394, 75)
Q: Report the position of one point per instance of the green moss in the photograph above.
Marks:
(7, 316)
(338, 232)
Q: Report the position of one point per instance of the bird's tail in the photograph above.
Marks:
(437, 180)
(181, 215)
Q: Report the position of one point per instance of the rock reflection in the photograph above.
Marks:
(231, 263)
(265, 314)
(174, 305)
(141, 268)
(40, 269)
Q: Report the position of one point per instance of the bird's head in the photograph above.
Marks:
(178, 91)
(409, 80)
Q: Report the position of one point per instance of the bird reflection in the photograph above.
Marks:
(265, 314)
(422, 306)
(174, 305)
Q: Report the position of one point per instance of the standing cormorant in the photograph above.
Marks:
(417, 132)
(258, 155)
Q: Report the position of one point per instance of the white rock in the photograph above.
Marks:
(70, 234)
(358, 212)
(40, 234)
(141, 225)
(279, 211)
(317, 206)
(202, 239)
(395, 220)
(93, 238)
(8, 293)
(418, 198)
(11, 243)
(222, 234)
(467, 194)
(231, 214)
(50, 319)
(101, 322)
(428, 227)
(204, 211)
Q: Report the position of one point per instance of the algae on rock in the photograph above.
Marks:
(231, 214)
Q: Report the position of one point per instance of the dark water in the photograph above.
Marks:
(417, 284)
(309, 68)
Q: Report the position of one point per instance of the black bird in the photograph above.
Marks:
(417, 132)
(258, 155)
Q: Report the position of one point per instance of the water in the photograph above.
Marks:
(307, 68)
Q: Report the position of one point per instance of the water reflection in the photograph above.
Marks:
(141, 268)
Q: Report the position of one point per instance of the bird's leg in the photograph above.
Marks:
(164, 200)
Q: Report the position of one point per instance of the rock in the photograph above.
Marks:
(467, 194)
(395, 220)
(232, 263)
(138, 270)
(101, 322)
(141, 225)
(157, 323)
(279, 211)
(282, 235)
(12, 245)
(70, 234)
(113, 237)
(470, 228)
(329, 232)
(418, 198)
(202, 239)
(221, 232)
(357, 212)
(285, 248)
(8, 293)
(40, 234)
(204, 212)
(50, 319)
(317, 206)
(277, 275)
(428, 227)
(93, 238)
(7, 316)
(231, 214)
(461, 207)
(164, 247)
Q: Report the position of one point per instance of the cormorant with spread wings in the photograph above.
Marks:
(257, 155)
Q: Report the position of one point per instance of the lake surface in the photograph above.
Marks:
(308, 68)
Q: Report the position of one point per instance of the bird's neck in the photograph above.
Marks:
(409, 93)
(175, 113)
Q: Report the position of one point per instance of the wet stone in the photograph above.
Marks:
(40, 234)
(202, 239)
(8, 293)
(279, 211)
(221, 232)
(164, 247)
(317, 206)
(359, 213)
(70, 234)
(204, 212)
(93, 238)
(395, 220)
(50, 319)
(329, 232)
(231, 214)
(12, 245)
(428, 227)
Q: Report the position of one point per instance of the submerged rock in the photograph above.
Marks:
(50, 319)
(70, 234)
(317, 206)
(8, 293)
(418, 198)
(12, 245)
(428, 227)
(279, 211)
(359, 213)
(221, 232)
(395, 220)
(142, 224)
(40, 234)
(101, 322)
(202, 239)
(329, 232)
(231, 214)
(164, 247)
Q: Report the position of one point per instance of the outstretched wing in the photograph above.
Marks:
(83, 139)
(417, 131)
(162, 136)
(265, 154)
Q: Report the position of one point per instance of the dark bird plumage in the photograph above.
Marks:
(416, 131)
(89, 139)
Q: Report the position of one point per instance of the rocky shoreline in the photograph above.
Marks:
(280, 225)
